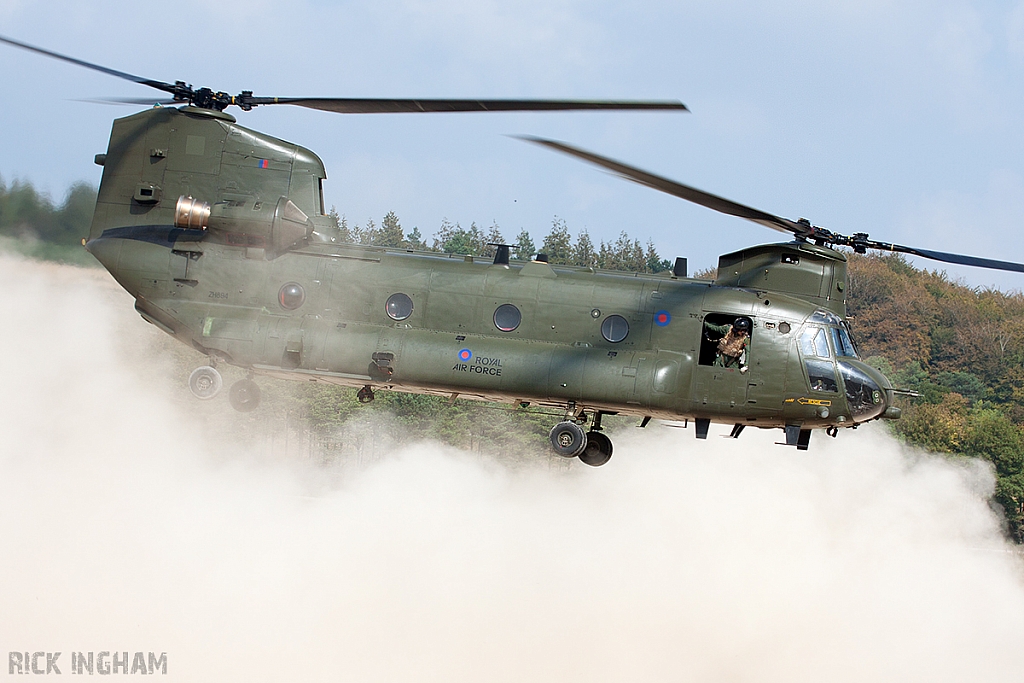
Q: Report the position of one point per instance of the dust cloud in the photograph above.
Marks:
(124, 527)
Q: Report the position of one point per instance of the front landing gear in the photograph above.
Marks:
(244, 395)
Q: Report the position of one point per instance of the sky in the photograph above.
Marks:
(904, 120)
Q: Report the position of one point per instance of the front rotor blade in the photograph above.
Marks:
(159, 85)
(130, 100)
(351, 105)
(686, 192)
(958, 258)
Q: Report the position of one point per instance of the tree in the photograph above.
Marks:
(525, 248)
(390, 233)
(623, 254)
(341, 223)
(583, 253)
(415, 240)
(454, 239)
(654, 262)
(493, 237)
(558, 243)
(44, 230)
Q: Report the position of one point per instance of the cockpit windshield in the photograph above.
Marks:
(814, 343)
(842, 342)
(824, 317)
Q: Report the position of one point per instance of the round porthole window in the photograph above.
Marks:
(507, 317)
(399, 306)
(291, 296)
(614, 328)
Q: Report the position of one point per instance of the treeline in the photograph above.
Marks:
(624, 253)
(962, 349)
(31, 223)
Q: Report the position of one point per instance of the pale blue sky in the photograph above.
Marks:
(901, 119)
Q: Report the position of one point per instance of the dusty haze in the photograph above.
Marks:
(125, 526)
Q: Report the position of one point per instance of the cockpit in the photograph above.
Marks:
(830, 357)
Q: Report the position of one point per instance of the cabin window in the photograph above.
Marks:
(320, 192)
(291, 296)
(507, 317)
(614, 328)
(398, 306)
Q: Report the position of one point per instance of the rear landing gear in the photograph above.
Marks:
(205, 382)
(569, 440)
(365, 395)
(598, 450)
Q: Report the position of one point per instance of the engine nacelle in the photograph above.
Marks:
(276, 228)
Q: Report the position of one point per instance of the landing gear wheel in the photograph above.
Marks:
(598, 450)
(365, 395)
(568, 439)
(205, 382)
(244, 395)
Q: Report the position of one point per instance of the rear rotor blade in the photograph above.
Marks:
(691, 194)
(352, 105)
(159, 85)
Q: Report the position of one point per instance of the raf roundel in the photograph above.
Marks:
(465, 355)
(662, 318)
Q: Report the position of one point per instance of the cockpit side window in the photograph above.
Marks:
(822, 375)
(818, 359)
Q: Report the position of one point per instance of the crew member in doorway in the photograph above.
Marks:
(732, 347)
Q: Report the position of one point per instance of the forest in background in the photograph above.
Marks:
(961, 348)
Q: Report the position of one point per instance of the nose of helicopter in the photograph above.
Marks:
(868, 392)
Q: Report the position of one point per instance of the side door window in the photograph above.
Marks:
(818, 359)
(718, 326)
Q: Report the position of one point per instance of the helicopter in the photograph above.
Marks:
(219, 233)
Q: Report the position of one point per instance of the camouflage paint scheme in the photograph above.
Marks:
(218, 290)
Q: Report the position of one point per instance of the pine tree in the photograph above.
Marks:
(525, 248)
(368, 234)
(653, 262)
(493, 237)
(390, 233)
(414, 240)
(454, 239)
(583, 252)
(558, 243)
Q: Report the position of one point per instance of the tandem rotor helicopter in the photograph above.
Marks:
(220, 234)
